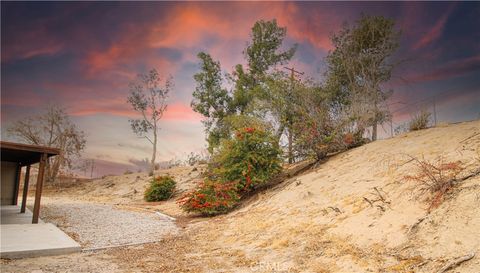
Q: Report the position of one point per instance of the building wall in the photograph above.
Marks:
(8, 170)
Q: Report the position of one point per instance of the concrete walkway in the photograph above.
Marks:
(21, 239)
(12, 215)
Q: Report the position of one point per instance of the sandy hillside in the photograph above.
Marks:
(354, 213)
(322, 221)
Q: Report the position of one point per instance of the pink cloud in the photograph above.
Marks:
(180, 111)
(436, 31)
(23, 49)
(449, 70)
(445, 101)
(25, 98)
(119, 107)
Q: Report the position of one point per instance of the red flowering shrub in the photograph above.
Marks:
(251, 158)
(315, 138)
(348, 139)
(210, 198)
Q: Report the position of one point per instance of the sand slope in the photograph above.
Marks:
(321, 221)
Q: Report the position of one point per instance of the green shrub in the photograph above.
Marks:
(250, 159)
(161, 188)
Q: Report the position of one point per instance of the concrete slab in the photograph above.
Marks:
(12, 215)
(31, 240)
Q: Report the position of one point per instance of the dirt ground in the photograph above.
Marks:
(356, 212)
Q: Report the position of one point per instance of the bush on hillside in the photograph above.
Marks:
(320, 125)
(161, 188)
(210, 198)
(420, 121)
(250, 159)
(435, 179)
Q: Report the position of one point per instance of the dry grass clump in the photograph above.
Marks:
(420, 121)
(435, 179)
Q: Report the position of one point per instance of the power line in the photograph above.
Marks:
(423, 100)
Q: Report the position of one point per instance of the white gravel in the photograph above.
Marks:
(98, 225)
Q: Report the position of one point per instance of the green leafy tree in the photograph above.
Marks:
(280, 103)
(263, 54)
(211, 100)
(316, 125)
(360, 63)
(264, 51)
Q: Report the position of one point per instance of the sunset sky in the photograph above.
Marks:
(83, 55)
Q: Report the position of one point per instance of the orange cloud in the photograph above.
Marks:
(191, 27)
(117, 58)
(188, 24)
(315, 29)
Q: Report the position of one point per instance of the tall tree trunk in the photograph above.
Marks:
(52, 168)
(280, 131)
(375, 122)
(290, 144)
(48, 171)
(154, 155)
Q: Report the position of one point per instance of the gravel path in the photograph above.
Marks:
(98, 225)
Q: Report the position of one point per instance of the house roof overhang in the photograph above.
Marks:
(25, 154)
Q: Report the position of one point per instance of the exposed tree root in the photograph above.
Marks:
(418, 222)
(456, 262)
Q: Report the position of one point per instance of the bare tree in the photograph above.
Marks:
(54, 129)
(87, 166)
(149, 98)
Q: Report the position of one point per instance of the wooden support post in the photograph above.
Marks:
(17, 184)
(38, 189)
(25, 190)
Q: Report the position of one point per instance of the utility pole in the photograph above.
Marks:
(391, 127)
(93, 167)
(435, 111)
(292, 72)
(391, 118)
(289, 119)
